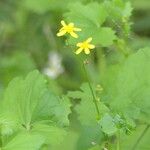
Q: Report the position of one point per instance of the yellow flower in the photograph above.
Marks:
(70, 28)
(85, 46)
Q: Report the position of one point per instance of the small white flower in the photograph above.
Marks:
(54, 67)
(93, 143)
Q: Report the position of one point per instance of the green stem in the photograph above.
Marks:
(94, 98)
(140, 138)
(118, 140)
(1, 143)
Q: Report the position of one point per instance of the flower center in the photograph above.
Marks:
(85, 45)
(69, 29)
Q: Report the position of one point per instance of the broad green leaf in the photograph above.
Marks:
(93, 13)
(119, 16)
(29, 106)
(107, 125)
(128, 142)
(25, 141)
(118, 9)
(104, 36)
(26, 101)
(60, 110)
(90, 18)
(90, 135)
(86, 109)
(129, 89)
(69, 142)
(22, 99)
(52, 134)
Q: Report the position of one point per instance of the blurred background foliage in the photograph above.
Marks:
(28, 36)
(28, 33)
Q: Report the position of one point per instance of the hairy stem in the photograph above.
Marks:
(118, 140)
(1, 143)
(94, 98)
(141, 136)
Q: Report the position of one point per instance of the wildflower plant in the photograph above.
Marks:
(99, 96)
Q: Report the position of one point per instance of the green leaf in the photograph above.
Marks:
(86, 110)
(104, 36)
(60, 109)
(53, 134)
(129, 89)
(24, 141)
(107, 125)
(26, 101)
(118, 9)
(29, 106)
(69, 142)
(22, 99)
(89, 18)
(93, 13)
(128, 142)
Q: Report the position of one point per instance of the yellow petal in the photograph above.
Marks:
(87, 51)
(61, 33)
(71, 24)
(89, 40)
(63, 23)
(91, 46)
(79, 51)
(61, 29)
(79, 44)
(74, 35)
(77, 29)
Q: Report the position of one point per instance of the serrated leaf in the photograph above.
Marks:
(61, 109)
(89, 18)
(86, 109)
(53, 135)
(104, 36)
(28, 102)
(107, 125)
(118, 9)
(128, 142)
(24, 141)
(129, 89)
(93, 13)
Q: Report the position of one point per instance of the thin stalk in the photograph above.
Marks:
(118, 140)
(90, 86)
(140, 138)
(1, 143)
